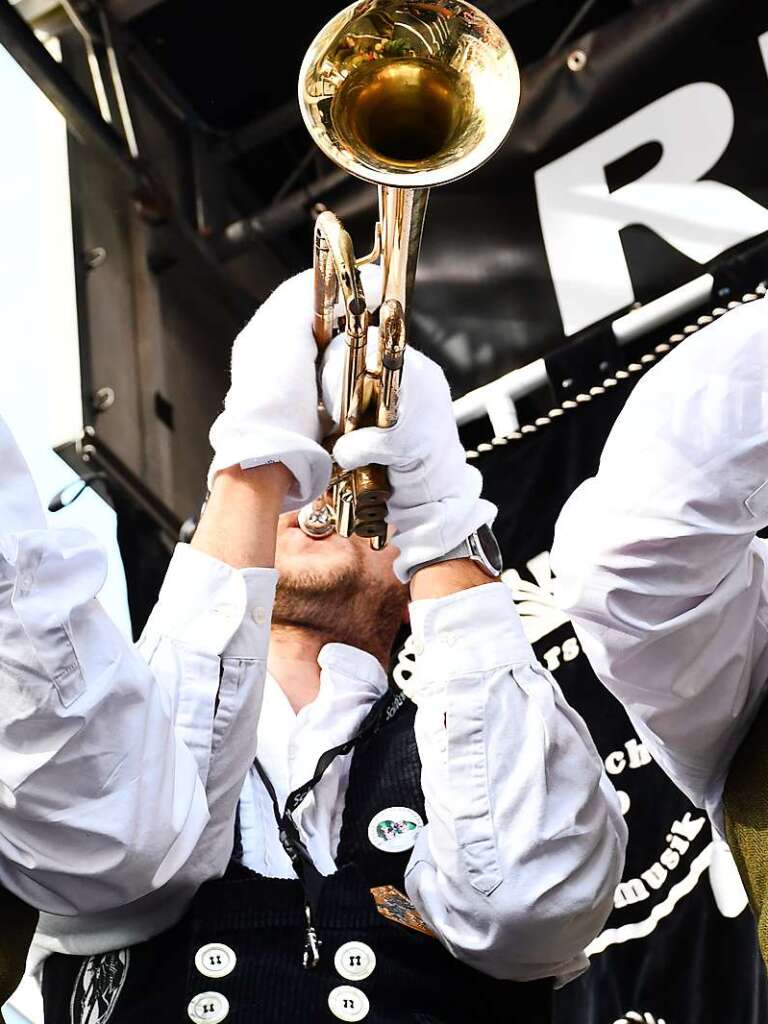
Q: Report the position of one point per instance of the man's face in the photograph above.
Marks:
(340, 585)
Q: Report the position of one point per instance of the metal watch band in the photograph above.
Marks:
(470, 548)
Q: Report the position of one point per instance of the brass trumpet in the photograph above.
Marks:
(407, 95)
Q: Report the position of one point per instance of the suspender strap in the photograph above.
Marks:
(311, 880)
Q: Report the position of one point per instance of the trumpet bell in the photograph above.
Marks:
(409, 93)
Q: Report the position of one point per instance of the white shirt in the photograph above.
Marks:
(83, 823)
(289, 746)
(119, 782)
(658, 563)
(524, 847)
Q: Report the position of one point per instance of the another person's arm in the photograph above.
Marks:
(99, 802)
(517, 867)
(657, 560)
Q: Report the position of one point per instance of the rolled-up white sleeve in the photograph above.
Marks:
(206, 643)
(517, 866)
(105, 772)
(98, 801)
(205, 647)
(656, 557)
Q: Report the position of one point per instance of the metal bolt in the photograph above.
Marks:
(103, 399)
(577, 60)
(94, 257)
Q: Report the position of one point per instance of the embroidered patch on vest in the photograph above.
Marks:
(395, 829)
(395, 906)
(97, 987)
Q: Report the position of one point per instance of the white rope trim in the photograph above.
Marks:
(633, 369)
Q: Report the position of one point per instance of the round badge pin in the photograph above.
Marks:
(395, 829)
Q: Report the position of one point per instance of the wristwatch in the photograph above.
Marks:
(481, 547)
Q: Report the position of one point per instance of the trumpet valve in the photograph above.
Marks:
(344, 507)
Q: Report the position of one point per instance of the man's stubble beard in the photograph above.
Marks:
(344, 605)
(313, 600)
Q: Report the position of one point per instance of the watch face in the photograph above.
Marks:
(490, 548)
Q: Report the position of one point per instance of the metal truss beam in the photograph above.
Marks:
(87, 125)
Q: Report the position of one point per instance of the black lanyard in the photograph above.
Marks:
(382, 712)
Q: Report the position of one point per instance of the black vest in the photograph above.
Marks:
(260, 922)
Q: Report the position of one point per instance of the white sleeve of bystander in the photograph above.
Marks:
(657, 559)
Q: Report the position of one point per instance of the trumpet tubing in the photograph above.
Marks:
(407, 95)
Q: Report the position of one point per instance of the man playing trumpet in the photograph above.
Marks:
(439, 855)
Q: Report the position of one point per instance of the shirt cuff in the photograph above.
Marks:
(471, 631)
(214, 608)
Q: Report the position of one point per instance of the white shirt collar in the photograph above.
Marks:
(289, 744)
(354, 664)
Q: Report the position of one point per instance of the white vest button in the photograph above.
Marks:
(209, 1008)
(354, 961)
(348, 1003)
(215, 960)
